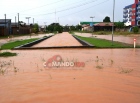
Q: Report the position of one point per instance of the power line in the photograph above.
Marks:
(66, 5)
(84, 9)
(76, 6)
(68, 8)
(40, 6)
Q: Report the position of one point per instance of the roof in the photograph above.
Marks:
(104, 24)
(129, 6)
(83, 23)
(3, 20)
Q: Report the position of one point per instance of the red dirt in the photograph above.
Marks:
(112, 83)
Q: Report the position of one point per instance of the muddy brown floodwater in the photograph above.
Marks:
(109, 76)
(120, 38)
(3, 41)
(63, 39)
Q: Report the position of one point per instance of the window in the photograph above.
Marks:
(133, 19)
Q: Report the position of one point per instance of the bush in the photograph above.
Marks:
(36, 28)
(135, 29)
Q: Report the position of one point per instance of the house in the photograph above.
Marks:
(96, 26)
(87, 26)
(104, 26)
(22, 29)
(5, 27)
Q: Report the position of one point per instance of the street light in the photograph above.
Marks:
(92, 22)
(45, 26)
(113, 20)
(28, 19)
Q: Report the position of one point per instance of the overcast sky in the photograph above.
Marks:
(69, 12)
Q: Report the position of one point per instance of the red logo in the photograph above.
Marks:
(57, 61)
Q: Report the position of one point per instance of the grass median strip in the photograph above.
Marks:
(11, 45)
(102, 43)
(7, 54)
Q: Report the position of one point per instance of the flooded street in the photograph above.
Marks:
(3, 41)
(63, 39)
(109, 76)
(120, 38)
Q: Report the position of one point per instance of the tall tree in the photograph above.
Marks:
(36, 28)
(106, 19)
(119, 25)
(54, 27)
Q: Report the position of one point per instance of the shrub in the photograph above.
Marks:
(135, 29)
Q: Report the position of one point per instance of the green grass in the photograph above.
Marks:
(102, 43)
(11, 45)
(7, 54)
(108, 32)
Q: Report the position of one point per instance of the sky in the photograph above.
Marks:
(66, 12)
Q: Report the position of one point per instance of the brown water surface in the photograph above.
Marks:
(109, 76)
(62, 39)
(120, 38)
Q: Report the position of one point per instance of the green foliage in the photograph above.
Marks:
(136, 29)
(78, 27)
(66, 28)
(72, 28)
(7, 54)
(119, 25)
(54, 27)
(16, 43)
(36, 28)
(106, 19)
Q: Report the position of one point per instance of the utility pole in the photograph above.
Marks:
(55, 15)
(58, 19)
(113, 20)
(18, 20)
(28, 19)
(45, 26)
(33, 20)
(15, 21)
(5, 20)
(92, 24)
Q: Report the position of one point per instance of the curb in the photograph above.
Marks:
(32, 43)
(84, 43)
(62, 47)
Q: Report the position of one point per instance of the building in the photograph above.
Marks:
(97, 26)
(87, 26)
(103, 26)
(5, 26)
(131, 14)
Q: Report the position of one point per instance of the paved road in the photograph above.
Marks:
(63, 39)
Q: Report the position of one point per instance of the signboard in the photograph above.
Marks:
(91, 24)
